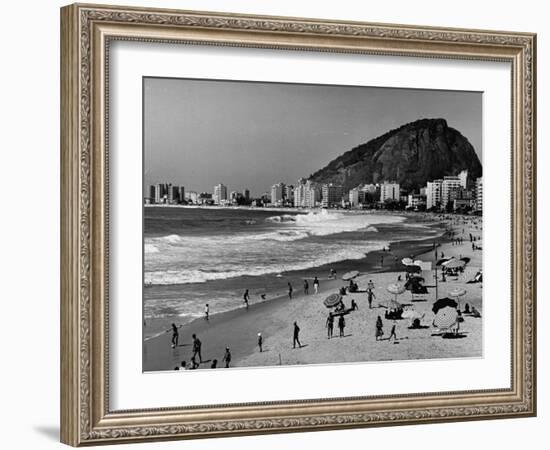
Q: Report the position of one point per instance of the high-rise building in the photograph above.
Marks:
(159, 194)
(181, 194)
(312, 194)
(246, 194)
(389, 191)
(220, 194)
(433, 194)
(277, 193)
(152, 193)
(331, 195)
(449, 189)
(192, 197)
(299, 194)
(479, 195)
(463, 177)
(289, 194)
(173, 194)
(357, 196)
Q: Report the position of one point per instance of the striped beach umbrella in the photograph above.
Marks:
(332, 300)
(454, 264)
(442, 303)
(446, 318)
(350, 275)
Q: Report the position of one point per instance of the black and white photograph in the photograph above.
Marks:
(290, 224)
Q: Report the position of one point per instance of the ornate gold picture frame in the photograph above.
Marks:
(87, 31)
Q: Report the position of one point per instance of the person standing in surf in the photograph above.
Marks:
(289, 291)
(306, 287)
(175, 335)
(246, 297)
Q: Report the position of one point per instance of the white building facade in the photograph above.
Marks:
(389, 191)
(220, 194)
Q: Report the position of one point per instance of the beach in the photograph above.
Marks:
(238, 328)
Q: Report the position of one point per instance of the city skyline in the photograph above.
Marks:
(435, 194)
(295, 129)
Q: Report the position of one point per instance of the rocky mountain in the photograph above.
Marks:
(411, 155)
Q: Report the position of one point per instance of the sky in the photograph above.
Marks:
(198, 133)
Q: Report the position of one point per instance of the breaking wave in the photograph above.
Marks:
(168, 277)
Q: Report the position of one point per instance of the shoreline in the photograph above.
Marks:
(219, 331)
(154, 326)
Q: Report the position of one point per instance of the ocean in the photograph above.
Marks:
(194, 256)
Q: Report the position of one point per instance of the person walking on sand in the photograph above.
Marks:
(207, 312)
(246, 297)
(341, 325)
(197, 344)
(370, 298)
(306, 287)
(330, 326)
(392, 331)
(316, 285)
(379, 328)
(227, 357)
(289, 291)
(260, 341)
(175, 335)
(296, 336)
(370, 285)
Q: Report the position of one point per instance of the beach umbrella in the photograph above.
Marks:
(442, 303)
(407, 261)
(465, 259)
(457, 292)
(412, 314)
(454, 264)
(441, 261)
(413, 268)
(332, 300)
(350, 275)
(396, 289)
(445, 318)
